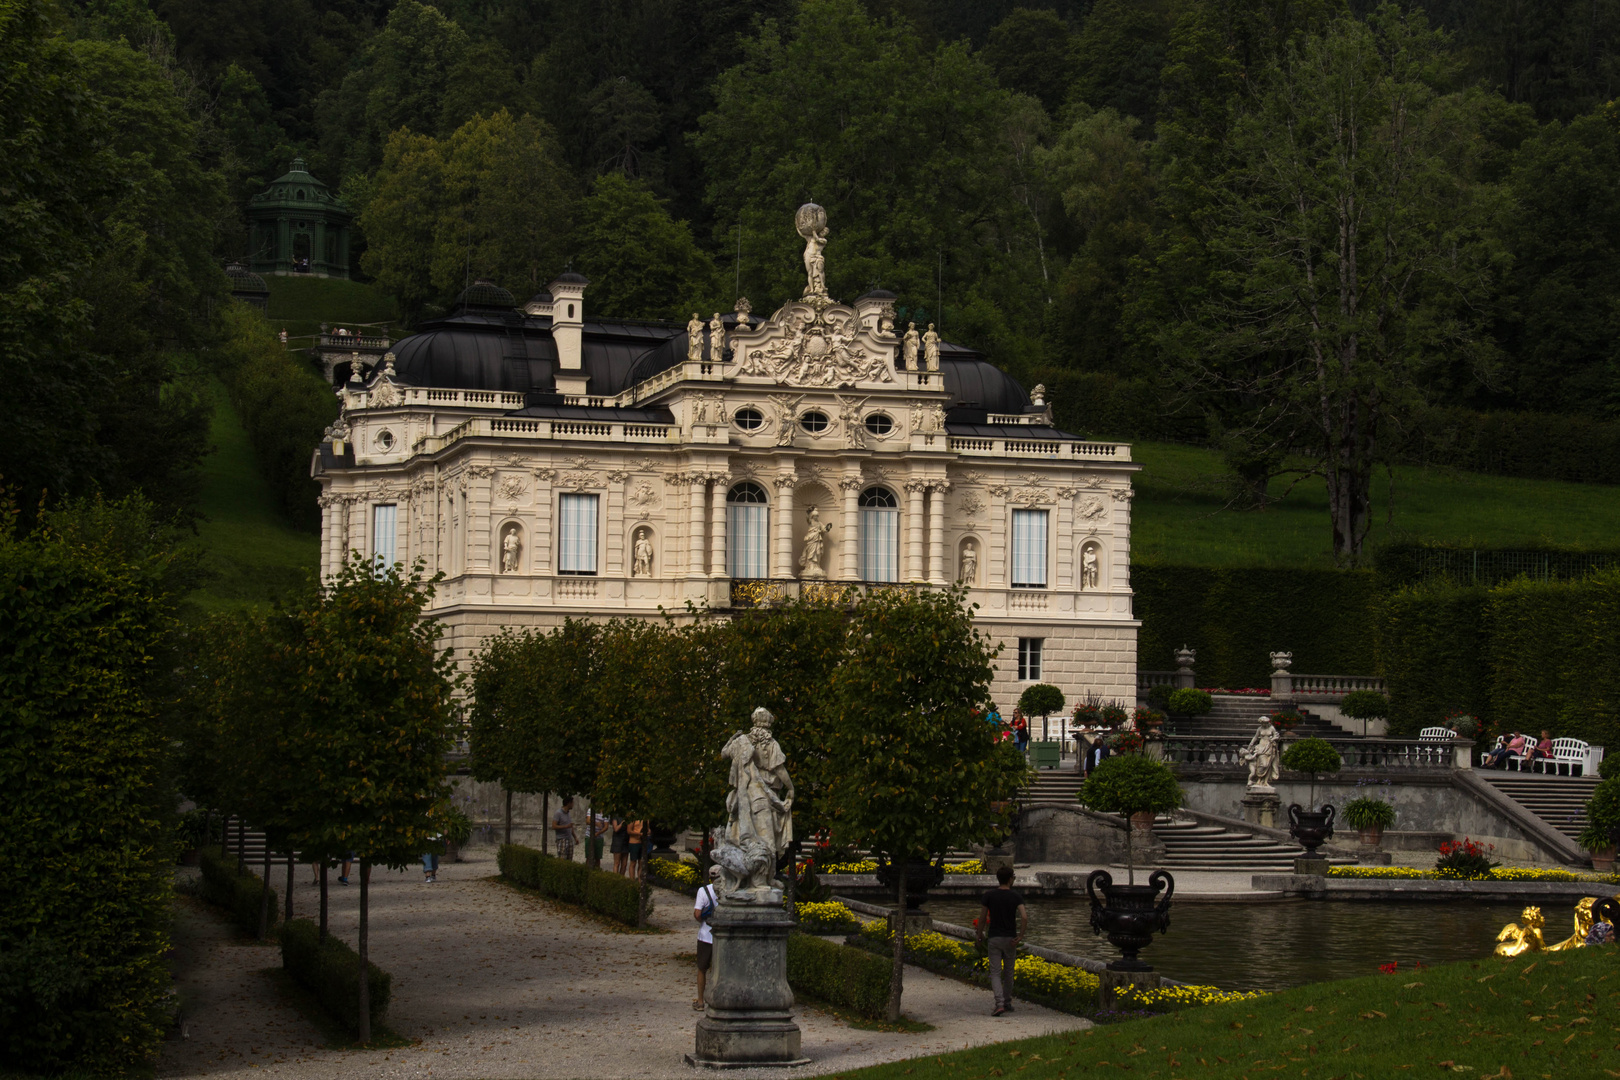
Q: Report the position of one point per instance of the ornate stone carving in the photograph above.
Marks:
(1090, 562)
(970, 503)
(481, 472)
(970, 564)
(1124, 494)
(644, 496)
(694, 339)
(852, 483)
(511, 488)
(618, 476)
(849, 412)
(909, 346)
(784, 481)
(1264, 755)
(939, 487)
(1066, 493)
(717, 339)
(641, 551)
(815, 544)
(544, 475)
(511, 548)
(930, 342)
(1095, 483)
(811, 223)
(785, 406)
(816, 350)
(928, 419)
(1281, 662)
(385, 395)
(1091, 508)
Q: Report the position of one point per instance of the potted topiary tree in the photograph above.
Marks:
(1185, 703)
(1129, 914)
(1042, 699)
(1364, 705)
(1311, 828)
(1371, 816)
(1602, 832)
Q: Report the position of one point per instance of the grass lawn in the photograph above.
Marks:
(253, 552)
(1178, 513)
(299, 304)
(1548, 1015)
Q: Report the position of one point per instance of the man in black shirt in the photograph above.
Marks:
(1004, 921)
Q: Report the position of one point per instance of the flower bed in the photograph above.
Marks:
(972, 866)
(1501, 873)
(867, 867)
(680, 874)
(1057, 986)
(827, 917)
(1166, 998)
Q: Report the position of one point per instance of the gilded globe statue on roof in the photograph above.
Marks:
(811, 221)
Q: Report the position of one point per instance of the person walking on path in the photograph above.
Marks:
(1004, 921)
(562, 824)
(430, 864)
(703, 910)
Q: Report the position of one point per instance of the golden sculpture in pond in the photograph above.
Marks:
(1583, 926)
(1516, 939)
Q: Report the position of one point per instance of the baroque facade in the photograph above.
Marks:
(555, 465)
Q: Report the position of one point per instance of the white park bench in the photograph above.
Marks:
(1437, 733)
(1573, 757)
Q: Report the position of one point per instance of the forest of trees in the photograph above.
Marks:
(1289, 228)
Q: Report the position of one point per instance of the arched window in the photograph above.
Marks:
(880, 535)
(747, 532)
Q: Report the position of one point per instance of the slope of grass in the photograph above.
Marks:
(251, 549)
(1549, 1015)
(299, 305)
(1179, 513)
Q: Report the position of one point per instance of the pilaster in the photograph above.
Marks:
(938, 572)
(851, 525)
(717, 524)
(784, 485)
(915, 490)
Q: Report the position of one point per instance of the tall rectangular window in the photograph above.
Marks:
(576, 535)
(880, 544)
(383, 519)
(746, 540)
(1029, 659)
(1029, 549)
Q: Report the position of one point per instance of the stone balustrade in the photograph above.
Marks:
(1381, 755)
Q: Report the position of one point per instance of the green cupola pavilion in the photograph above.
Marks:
(299, 227)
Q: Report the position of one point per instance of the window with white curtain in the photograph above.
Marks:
(880, 535)
(384, 517)
(1029, 549)
(747, 531)
(576, 535)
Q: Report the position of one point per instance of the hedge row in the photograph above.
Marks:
(840, 975)
(239, 894)
(1236, 617)
(330, 970)
(613, 895)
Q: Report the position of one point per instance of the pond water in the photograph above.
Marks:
(1271, 946)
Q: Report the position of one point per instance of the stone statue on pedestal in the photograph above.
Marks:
(694, 339)
(1264, 755)
(815, 544)
(811, 222)
(909, 346)
(931, 349)
(759, 810)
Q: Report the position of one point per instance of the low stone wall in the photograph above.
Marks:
(1069, 833)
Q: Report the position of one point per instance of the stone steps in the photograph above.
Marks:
(1189, 845)
(1560, 801)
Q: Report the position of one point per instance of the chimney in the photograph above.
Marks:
(567, 318)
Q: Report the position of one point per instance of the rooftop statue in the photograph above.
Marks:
(811, 221)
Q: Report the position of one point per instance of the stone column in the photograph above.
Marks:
(938, 572)
(749, 1018)
(694, 524)
(915, 489)
(717, 525)
(613, 517)
(784, 526)
(851, 526)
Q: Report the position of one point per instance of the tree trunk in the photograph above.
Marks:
(643, 899)
(1130, 860)
(508, 817)
(545, 823)
(323, 898)
(365, 967)
(264, 894)
(896, 974)
(291, 866)
(241, 846)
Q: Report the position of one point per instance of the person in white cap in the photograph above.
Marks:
(708, 898)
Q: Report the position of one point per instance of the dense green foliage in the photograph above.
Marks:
(840, 975)
(610, 894)
(1127, 784)
(326, 967)
(1433, 645)
(1602, 815)
(238, 893)
(1312, 756)
(1368, 812)
(1041, 699)
(1186, 701)
(1364, 705)
(83, 932)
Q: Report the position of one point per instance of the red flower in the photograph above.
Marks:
(1389, 968)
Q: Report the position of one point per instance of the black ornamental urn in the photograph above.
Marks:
(921, 875)
(1130, 914)
(1312, 828)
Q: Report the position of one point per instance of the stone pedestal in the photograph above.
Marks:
(1260, 806)
(994, 858)
(1313, 864)
(749, 1018)
(1116, 982)
(917, 922)
(1372, 857)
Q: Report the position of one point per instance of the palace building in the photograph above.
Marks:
(552, 464)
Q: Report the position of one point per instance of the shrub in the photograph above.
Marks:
(458, 827)
(1466, 860)
(1159, 696)
(1368, 812)
(1312, 756)
(238, 894)
(1042, 699)
(1131, 784)
(1189, 702)
(1602, 815)
(1114, 715)
(1364, 705)
(842, 976)
(1609, 767)
(971, 866)
(1286, 719)
(678, 874)
(606, 893)
(330, 970)
(1464, 725)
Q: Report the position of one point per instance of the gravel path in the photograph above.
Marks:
(496, 983)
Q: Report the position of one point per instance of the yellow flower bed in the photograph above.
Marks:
(867, 867)
(1059, 980)
(972, 866)
(940, 947)
(828, 914)
(1501, 873)
(1179, 997)
(678, 872)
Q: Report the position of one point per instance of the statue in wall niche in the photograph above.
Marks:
(811, 223)
(759, 811)
(1264, 755)
(931, 349)
(717, 338)
(815, 543)
(1088, 567)
(511, 547)
(694, 339)
(909, 346)
(970, 564)
(641, 553)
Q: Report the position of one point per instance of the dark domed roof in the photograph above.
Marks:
(244, 280)
(876, 294)
(542, 297)
(573, 278)
(975, 383)
(485, 294)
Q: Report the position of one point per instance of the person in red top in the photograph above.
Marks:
(1020, 730)
(1544, 750)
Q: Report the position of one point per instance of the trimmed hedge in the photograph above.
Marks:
(330, 970)
(1235, 617)
(1434, 652)
(842, 976)
(610, 894)
(237, 893)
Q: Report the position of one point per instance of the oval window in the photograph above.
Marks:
(570, 311)
(879, 424)
(749, 419)
(814, 421)
(385, 440)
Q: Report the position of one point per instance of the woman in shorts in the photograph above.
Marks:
(620, 848)
(638, 848)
